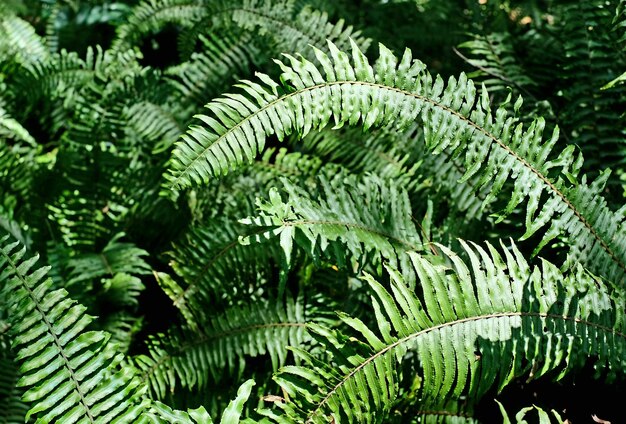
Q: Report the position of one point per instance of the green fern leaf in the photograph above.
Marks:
(192, 359)
(163, 414)
(472, 326)
(357, 217)
(395, 94)
(71, 374)
(543, 416)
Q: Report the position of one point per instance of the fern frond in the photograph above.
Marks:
(497, 148)
(350, 220)
(209, 256)
(19, 39)
(309, 27)
(592, 58)
(12, 409)
(163, 414)
(379, 153)
(494, 57)
(471, 326)
(71, 374)
(192, 359)
(117, 257)
(152, 15)
(12, 129)
(543, 416)
(205, 74)
(18, 150)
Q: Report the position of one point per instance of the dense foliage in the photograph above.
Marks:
(386, 211)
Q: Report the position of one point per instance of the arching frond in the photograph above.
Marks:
(471, 325)
(350, 217)
(223, 343)
(71, 374)
(395, 94)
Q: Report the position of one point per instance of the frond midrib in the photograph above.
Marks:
(544, 179)
(462, 321)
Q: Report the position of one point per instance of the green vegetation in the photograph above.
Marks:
(312, 211)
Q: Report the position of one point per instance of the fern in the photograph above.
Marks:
(192, 359)
(71, 374)
(379, 222)
(544, 417)
(322, 273)
(394, 95)
(465, 317)
(496, 63)
(161, 413)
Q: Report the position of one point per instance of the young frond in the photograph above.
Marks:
(471, 325)
(71, 375)
(496, 146)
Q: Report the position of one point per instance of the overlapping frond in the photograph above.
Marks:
(224, 343)
(350, 220)
(71, 374)
(471, 325)
(395, 93)
(496, 62)
(209, 257)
